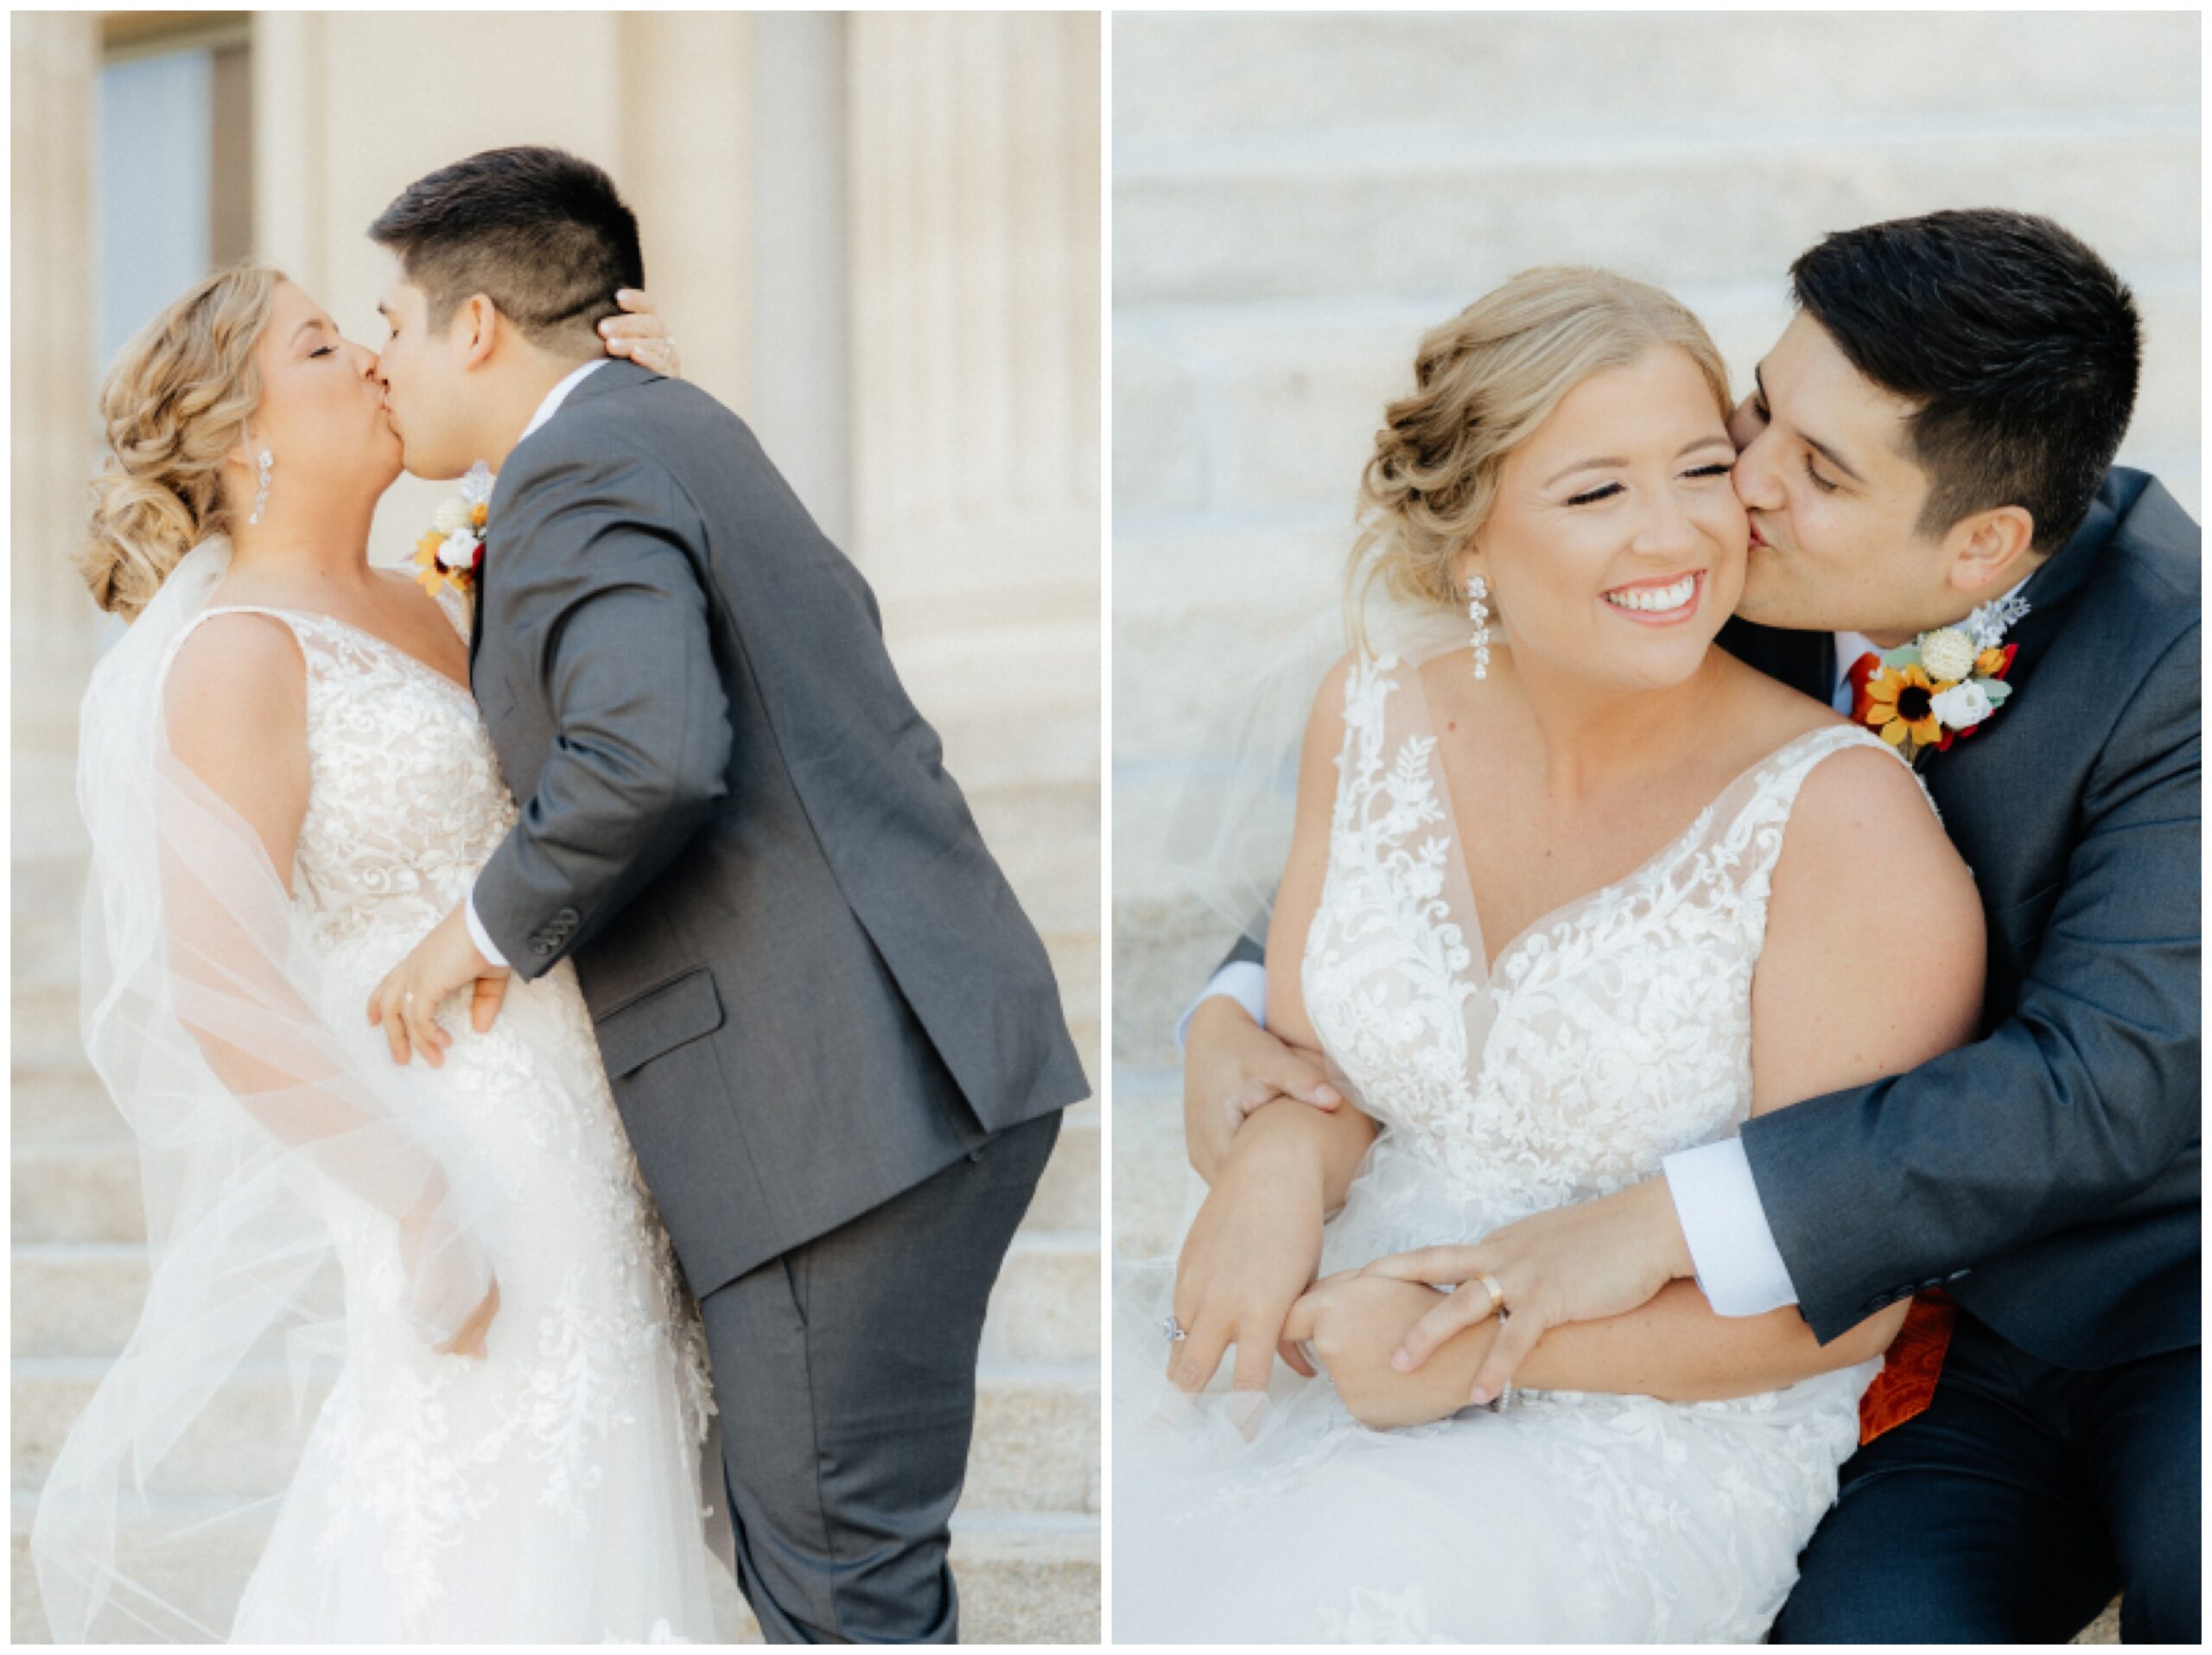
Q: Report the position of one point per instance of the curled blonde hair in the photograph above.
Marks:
(176, 402)
(1484, 382)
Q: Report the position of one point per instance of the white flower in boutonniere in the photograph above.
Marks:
(1962, 706)
(450, 553)
(1946, 652)
(1944, 685)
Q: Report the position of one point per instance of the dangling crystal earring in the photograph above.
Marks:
(261, 499)
(1479, 611)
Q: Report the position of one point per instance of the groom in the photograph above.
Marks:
(1934, 429)
(834, 1037)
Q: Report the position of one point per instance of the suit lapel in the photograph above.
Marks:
(1981, 760)
(476, 606)
(613, 376)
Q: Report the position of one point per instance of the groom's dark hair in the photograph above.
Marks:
(2019, 345)
(542, 233)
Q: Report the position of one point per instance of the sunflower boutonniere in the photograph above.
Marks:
(449, 553)
(1945, 683)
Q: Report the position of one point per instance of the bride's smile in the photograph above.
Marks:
(1663, 602)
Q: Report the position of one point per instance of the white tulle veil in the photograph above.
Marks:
(263, 1112)
(1228, 835)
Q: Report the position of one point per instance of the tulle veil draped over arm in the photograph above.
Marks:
(263, 1112)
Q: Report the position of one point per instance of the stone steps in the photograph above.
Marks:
(1036, 1447)
(1184, 75)
(74, 1173)
(81, 1299)
(1019, 1582)
(1459, 212)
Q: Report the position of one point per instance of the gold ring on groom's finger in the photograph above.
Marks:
(1496, 1293)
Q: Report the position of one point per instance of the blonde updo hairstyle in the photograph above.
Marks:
(1484, 383)
(175, 402)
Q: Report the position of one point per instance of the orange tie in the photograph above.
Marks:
(1862, 674)
(1913, 1361)
(1910, 1366)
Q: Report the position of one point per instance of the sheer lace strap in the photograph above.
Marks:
(291, 620)
(1374, 729)
(1756, 830)
(455, 604)
(1787, 770)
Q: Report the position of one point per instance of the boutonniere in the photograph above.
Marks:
(1944, 685)
(451, 552)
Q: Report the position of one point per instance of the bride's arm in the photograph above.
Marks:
(1873, 963)
(234, 709)
(1255, 1242)
(1338, 1139)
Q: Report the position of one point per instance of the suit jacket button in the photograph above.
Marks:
(1954, 1276)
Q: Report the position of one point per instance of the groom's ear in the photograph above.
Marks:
(477, 322)
(1991, 551)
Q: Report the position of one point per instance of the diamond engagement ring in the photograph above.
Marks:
(1173, 1329)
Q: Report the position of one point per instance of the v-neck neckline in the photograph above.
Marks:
(1545, 921)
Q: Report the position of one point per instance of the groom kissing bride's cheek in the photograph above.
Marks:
(1691, 1130)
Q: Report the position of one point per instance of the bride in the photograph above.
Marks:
(286, 783)
(1552, 909)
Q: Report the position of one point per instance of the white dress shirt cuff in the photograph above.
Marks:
(480, 937)
(1244, 981)
(1739, 1266)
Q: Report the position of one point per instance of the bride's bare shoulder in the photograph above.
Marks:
(237, 686)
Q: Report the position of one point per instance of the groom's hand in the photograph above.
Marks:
(1582, 1263)
(405, 1004)
(1232, 1066)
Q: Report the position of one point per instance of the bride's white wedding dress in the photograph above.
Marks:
(551, 1492)
(1612, 1032)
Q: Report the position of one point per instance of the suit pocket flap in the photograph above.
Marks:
(657, 1021)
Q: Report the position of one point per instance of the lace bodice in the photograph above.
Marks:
(1614, 1031)
(432, 1485)
(406, 798)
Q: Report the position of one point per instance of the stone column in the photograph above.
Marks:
(802, 333)
(684, 163)
(53, 64)
(975, 197)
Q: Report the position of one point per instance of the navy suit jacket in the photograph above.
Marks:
(2047, 1175)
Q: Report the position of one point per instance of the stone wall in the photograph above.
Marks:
(1297, 197)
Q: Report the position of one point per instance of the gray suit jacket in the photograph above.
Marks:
(811, 983)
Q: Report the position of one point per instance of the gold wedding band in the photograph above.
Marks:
(1496, 1293)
